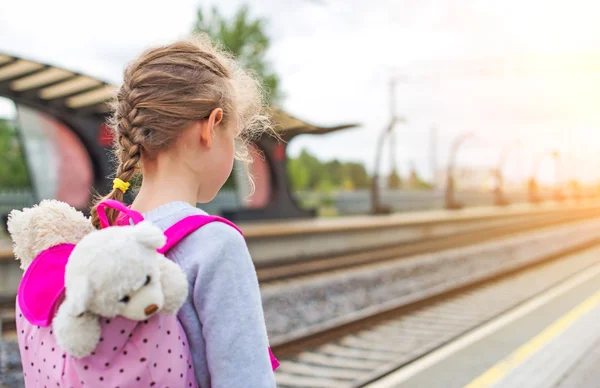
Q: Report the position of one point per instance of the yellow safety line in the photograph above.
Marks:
(501, 369)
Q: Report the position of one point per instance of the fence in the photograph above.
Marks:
(15, 199)
(359, 202)
(344, 202)
(225, 200)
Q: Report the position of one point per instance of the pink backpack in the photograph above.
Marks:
(130, 353)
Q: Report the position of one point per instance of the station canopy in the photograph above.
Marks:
(52, 88)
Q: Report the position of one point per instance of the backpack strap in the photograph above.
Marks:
(183, 228)
(116, 205)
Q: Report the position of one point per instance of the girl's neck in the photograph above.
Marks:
(160, 189)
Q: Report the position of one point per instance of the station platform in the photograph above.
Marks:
(277, 242)
(361, 222)
(550, 341)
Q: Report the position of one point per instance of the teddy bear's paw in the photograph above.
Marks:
(174, 284)
(76, 335)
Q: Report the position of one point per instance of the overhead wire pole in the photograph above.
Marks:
(451, 202)
(393, 165)
(559, 176)
(499, 194)
(484, 68)
(433, 155)
(392, 114)
(392, 134)
(376, 207)
(533, 186)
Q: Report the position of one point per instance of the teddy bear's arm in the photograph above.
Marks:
(174, 284)
(78, 335)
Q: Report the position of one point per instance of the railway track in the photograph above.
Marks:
(486, 231)
(361, 352)
(418, 236)
(357, 352)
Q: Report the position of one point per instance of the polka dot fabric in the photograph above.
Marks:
(152, 353)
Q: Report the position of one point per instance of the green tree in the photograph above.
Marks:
(325, 185)
(306, 172)
(246, 39)
(394, 180)
(13, 168)
(314, 168)
(415, 182)
(298, 174)
(335, 171)
(357, 174)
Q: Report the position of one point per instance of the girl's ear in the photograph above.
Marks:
(216, 116)
(207, 126)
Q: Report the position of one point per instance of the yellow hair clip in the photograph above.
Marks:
(121, 185)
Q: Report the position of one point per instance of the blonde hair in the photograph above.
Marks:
(168, 88)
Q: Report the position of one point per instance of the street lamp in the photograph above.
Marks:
(376, 207)
(451, 202)
(558, 171)
(533, 188)
(499, 197)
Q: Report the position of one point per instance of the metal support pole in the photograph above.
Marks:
(451, 202)
(433, 156)
(499, 197)
(559, 175)
(533, 188)
(376, 207)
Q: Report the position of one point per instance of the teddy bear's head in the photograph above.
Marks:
(117, 271)
(52, 223)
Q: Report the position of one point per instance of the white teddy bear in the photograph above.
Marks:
(113, 271)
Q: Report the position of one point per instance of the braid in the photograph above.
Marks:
(129, 134)
(128, 146)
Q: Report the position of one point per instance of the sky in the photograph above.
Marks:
(336, 59)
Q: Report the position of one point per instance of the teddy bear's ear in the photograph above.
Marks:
(16, 218)
(79, 295)
(149, 235)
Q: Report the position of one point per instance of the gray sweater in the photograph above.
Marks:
(223, 316)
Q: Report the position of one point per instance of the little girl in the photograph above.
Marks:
(177, 115)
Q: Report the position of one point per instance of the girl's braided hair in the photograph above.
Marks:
(168, 88)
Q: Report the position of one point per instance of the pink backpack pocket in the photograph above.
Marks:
(130, 353)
